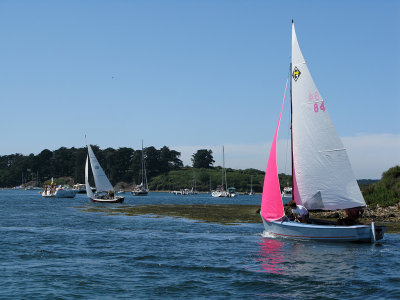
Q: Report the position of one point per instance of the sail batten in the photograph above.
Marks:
(332, 150)
(323, 177)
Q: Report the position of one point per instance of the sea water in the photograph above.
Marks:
(51, 249)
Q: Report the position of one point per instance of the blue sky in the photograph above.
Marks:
(196, 74)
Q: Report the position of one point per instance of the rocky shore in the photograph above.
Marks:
(378, 214)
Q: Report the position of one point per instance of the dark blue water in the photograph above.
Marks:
(50, 249)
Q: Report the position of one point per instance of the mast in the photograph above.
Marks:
(144, 176)
(223, 169)
(142, 165)
(291, 120)
(194, 182)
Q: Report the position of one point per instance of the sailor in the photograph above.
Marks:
(352, 216)
(299, 212)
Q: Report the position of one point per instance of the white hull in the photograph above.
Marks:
(116, 199)
(331, 233)
(217, 194)
(140, 193)
(60, 194)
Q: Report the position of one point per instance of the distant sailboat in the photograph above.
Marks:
(222, 190)
(142, 189)
(104, 190)
(322, 175)
(251, 186)
(193, 191)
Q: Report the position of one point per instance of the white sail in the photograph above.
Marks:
(89, 191)
(323, 178)
(100, 178)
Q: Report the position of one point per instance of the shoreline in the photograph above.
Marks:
(225, 214)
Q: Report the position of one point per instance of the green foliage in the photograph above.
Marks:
(60, 181)
(123, 164)
(205, 179)
(385, 192)
(203, 158)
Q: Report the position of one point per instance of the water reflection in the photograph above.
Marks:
(321, 262)
(271, 256)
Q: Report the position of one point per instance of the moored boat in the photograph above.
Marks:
(53, 191)
(80, 188)
(142, 189)
(223, 190)
(286, 194)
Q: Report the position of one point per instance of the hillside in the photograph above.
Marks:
(204, 179)
(385, 192)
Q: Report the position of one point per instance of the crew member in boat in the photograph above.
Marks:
(300, 213)
(352, 216)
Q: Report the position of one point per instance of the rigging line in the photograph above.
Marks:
(288, 131)
(332, 150)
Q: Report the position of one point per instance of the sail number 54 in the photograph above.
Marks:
(321, 107)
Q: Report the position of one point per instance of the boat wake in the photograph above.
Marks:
(267, 234)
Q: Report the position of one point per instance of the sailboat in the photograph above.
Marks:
(322, 175)
(104, 190)
(193, 191)
(142, 189)
(251, 186)
(222, 190)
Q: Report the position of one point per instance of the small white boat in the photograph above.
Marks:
(176, 192)
(104, 190)
(322, 174)
(220, 192)
(185, 192)
(286, 194)
(58, 192)
(80, 188)
(139, 190)
(232, 192)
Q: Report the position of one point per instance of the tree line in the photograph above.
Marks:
(122, 164)
(164, 169)
(206, 179)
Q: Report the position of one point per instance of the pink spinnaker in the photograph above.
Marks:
(271, 203)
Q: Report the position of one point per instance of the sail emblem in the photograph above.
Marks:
(296, 74)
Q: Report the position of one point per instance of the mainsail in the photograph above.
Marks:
(100, 178)
(322, 175)
(271, 203)
(89, 191)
